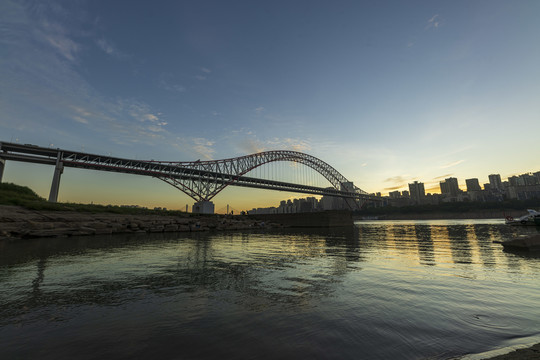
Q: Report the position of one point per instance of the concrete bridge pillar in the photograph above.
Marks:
(58, 170)
(2, 164)
(203, 207)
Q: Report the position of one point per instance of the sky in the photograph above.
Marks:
(387, 92)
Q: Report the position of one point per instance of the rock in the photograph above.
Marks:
(104, 231)
(17, 223)
(170, 228)
(155, 229)
(529, 243)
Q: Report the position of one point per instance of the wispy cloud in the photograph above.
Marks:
(445, 166)
(200, 147)
(434, 22)
(66, 47)
(246, 141)
(395, 187)
(433, 188)
(55, 35)
(398, 182)
(442, 177)
(396, 179)
(289, 144)
(167, 82)
(204, 76)
(259, 110)
(57, 100)
(110, 49)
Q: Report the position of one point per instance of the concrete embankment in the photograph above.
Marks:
(485, 214)
(20, 223)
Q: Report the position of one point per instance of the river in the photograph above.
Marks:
(379, 290)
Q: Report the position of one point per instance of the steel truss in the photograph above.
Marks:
(218, 174)
(201, 180)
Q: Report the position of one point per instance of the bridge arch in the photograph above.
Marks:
(235, 167)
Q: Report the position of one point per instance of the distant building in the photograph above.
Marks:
(513, 180)
(450, 187)
(495, 181)
(418, 193)
(473, 185)
(528, 179)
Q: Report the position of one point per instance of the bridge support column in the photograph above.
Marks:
(203, 207)
(2, 164)
(58, 170)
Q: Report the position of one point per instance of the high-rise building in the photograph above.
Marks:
(418, 194)
(495, 181)
(528, 179)
(450, 187)
(473, 184)
(513, 180)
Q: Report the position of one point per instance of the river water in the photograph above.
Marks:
(379, 290)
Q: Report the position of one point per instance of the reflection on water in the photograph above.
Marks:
(382, 289)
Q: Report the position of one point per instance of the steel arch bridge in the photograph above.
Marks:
(234, 170)
(201, 180)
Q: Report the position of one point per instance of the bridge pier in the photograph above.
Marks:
(2, 164)
(55, 186)
(203, 207)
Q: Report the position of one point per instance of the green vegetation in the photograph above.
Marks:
(12, 194)
(454, 207)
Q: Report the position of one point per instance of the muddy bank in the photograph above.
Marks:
(20, 223)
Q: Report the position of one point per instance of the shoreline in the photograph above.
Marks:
(517, 352)
(486, 214)
(18, 223)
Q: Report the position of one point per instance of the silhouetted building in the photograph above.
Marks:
(417, 192)
(495, 181)
(450, 187)
(473, 185)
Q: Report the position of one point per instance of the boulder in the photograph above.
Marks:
(529, 243)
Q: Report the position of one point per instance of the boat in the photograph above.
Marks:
(531, 218)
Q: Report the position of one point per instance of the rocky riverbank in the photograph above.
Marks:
(20, 223)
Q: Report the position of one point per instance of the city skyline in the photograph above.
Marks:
(449, 190)
(387, 93)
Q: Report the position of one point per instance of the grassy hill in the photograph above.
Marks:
(12, 194)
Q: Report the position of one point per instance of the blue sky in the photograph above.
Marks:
(387, 92)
